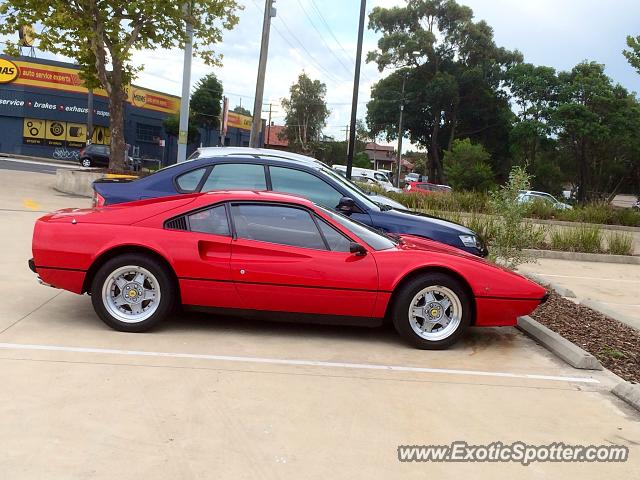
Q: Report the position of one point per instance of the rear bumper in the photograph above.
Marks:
(67, 279)
(32, 265)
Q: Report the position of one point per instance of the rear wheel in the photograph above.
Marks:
(85, 162)
(432, 311)
(132, 292)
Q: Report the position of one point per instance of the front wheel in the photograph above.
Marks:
(432, 311)
(85, 162)
(132, 293)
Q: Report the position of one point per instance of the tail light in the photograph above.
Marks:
(98, 200)
(82, 152)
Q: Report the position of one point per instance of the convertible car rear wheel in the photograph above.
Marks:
(132, 292)
(432, 311)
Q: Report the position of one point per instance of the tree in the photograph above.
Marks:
(596, 124)
(306, 114)
(171, 125)
(361, 160)
(204, 106)
(452, 71)
(633, 54)
(467, 166)
(100, 35)
(242, 111)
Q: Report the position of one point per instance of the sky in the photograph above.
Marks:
(319, 37)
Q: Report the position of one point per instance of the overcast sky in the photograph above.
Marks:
(319, 36)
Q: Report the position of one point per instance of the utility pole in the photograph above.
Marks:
(356, 84)
(269, 11)
(268, 140)
(89, 117)
(186, 86)
(400, 135)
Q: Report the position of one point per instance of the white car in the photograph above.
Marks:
(380, 178)
(527, 196)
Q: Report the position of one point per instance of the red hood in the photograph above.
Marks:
(411, 242)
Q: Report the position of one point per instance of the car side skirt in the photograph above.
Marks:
(288, 317)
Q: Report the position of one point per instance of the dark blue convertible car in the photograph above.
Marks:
(229, 168)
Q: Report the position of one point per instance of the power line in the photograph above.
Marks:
(329, 49)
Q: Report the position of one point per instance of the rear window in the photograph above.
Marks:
(188, 182)
(236, 176)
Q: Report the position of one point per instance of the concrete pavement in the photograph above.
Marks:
(613, 285)
(78, 400)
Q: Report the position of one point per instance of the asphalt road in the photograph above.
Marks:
(29, 166)
(213, 397)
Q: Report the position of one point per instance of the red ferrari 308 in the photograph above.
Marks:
(276, 254)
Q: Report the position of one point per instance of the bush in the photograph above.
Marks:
(585, 238)
(467, 168)
(620, 243)
(512, 233)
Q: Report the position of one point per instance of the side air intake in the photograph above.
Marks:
(179, 223)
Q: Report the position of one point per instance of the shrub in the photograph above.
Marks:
(512, 233)
(620, 243)
(467, 168)
(585, 238)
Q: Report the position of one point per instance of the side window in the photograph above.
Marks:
(213, 220)
(277, 224)
(302, 183)
(381, 177)
(236, 176)
(188, 182)
(336, 240)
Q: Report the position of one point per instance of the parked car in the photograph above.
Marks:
(527, 196)
(378, 178)
(414, 177)
(94, 155)
(263, 252)
(261, 169)
(426, 188)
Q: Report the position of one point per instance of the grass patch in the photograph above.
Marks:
(620, 243)
(585, 238)
(612, 353)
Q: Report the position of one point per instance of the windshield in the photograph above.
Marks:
(373, 238)
(354, 190)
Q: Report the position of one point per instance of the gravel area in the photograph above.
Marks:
(615, 344)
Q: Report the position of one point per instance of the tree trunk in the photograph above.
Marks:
(116, 126)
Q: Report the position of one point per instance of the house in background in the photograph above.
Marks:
(382, 156)
(272, 138)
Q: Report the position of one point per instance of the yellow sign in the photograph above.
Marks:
(26, 34)
(100, 135)
(33, 131)
(76, 135)
(41, 75)
(8, 71)
(238, 120)
(55, 132)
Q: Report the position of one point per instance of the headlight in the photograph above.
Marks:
(469, 240)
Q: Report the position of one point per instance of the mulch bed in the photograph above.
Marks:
(615, 344)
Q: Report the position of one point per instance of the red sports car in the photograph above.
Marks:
(426, 188)
(263, 252)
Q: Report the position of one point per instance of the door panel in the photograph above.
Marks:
(293, 279)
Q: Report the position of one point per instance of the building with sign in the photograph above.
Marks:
(43, 113)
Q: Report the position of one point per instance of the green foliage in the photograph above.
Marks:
(171, 125)
(584, 238)
(452, 85)
(620, 243)
(306, 114)
(633, 54)
(102, 35)
(467, 168)
(205, 104)
(512, 233)
(242, 111)
(361, 160)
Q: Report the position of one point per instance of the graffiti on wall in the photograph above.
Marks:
(62, 153)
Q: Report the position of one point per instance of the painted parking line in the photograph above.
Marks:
(624, 280)
(294, 362)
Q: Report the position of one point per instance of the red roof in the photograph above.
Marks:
(272, 136)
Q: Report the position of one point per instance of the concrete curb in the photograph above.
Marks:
(76, 182)
(629, 392)
(562, 291)
(610, 312)
(557, 344)
(584, 257)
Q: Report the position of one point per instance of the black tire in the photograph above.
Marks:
(404, 297)
(87, 159)
(166, 286)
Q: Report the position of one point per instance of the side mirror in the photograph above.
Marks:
(347, 205)
(357, 249)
